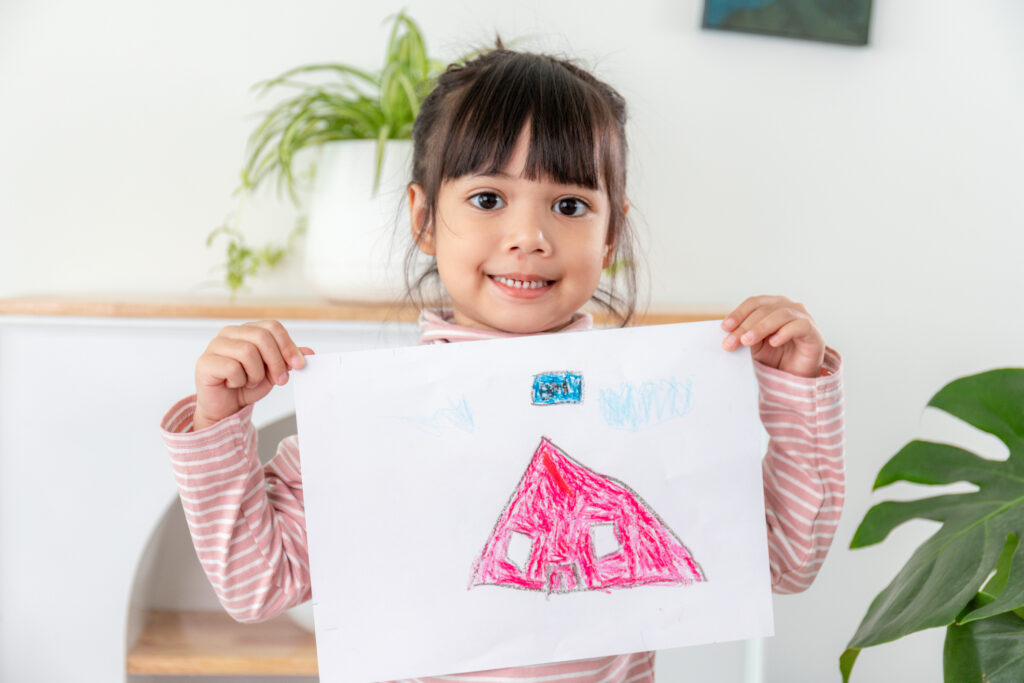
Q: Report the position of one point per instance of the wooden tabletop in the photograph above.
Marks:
(212, 643)
(264, 308)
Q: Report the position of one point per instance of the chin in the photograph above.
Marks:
(524, 329)
(521, 318)
(521, 325)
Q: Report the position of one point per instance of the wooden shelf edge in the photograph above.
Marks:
(260, 309)
(247, 309)
(212, 643)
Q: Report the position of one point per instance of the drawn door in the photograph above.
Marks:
(563, 578)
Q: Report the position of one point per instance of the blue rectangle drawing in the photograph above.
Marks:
(550, 388)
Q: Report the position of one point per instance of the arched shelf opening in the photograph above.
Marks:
(172, 604)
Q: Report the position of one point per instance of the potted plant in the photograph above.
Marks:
(361, 122)
(969, 575)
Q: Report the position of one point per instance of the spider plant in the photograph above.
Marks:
(341, 102)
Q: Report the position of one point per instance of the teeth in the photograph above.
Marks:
(521, 284)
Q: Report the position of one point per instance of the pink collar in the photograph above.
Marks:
(437, 327)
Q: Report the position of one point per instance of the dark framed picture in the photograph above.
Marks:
(833, 21)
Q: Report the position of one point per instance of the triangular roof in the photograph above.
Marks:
(556, 505)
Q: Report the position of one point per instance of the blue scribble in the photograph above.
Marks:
(550, 388)
(456, 415)
(633, 407)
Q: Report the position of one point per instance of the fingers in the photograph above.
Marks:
(746, 332)
(246, 355)
(240, 366)
(734, 319)
(771, 319)
(216, 369)
(292, 355)
(768, 326)
(257, 349)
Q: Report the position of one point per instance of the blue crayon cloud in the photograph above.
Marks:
(457, 416)
(634, 407)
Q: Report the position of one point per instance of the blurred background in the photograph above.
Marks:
(879, 185)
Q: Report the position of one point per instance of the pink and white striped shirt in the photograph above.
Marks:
(248, 521)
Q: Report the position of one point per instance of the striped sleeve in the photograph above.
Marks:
(804, 469)
(247, 521)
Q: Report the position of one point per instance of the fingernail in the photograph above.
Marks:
(728, 324)
(283, 378)
(729, 341)
(747, 338)
(298, 361)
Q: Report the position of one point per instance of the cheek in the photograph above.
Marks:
(592, 249)
(588, 263)
(457, 258)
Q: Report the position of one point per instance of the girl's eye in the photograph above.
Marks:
(571, 206)
(487, 201)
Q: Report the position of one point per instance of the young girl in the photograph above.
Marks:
(518, 192)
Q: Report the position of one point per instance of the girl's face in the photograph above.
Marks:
(516, 255)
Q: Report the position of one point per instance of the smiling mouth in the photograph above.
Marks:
(521, 284)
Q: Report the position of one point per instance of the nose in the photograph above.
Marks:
(526, 231)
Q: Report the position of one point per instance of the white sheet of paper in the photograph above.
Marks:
(411, 456)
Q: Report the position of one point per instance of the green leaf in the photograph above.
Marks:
(992, 402)
(619, 266)
(846, 661)
(396, 23)
(412, 99)
(1004, 592)
(946, 572)
(884, 517)
(342, 69)
(244, 261)
(989, 650)
(997, 583)
(379, 163)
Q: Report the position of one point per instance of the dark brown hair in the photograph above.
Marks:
(472, 119)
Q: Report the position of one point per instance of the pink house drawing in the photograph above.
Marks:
(568, 528)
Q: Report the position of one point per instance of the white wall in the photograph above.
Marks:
(879, 185)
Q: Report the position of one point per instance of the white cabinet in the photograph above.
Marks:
(85, 480)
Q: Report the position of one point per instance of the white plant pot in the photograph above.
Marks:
(356, 240)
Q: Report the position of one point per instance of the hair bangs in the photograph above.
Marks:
(570, 126)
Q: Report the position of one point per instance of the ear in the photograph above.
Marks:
(422, 235)
(611, 245)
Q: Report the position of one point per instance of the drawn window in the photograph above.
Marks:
(519, 549)
(604, 539)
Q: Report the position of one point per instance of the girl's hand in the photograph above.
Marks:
(779, 332)
(240, 366)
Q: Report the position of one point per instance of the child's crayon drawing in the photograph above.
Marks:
(457, 415)
(568, 528)
(633, 407)
(552, 388)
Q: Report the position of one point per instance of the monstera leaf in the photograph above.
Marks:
(947, 579)
(989, 650)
